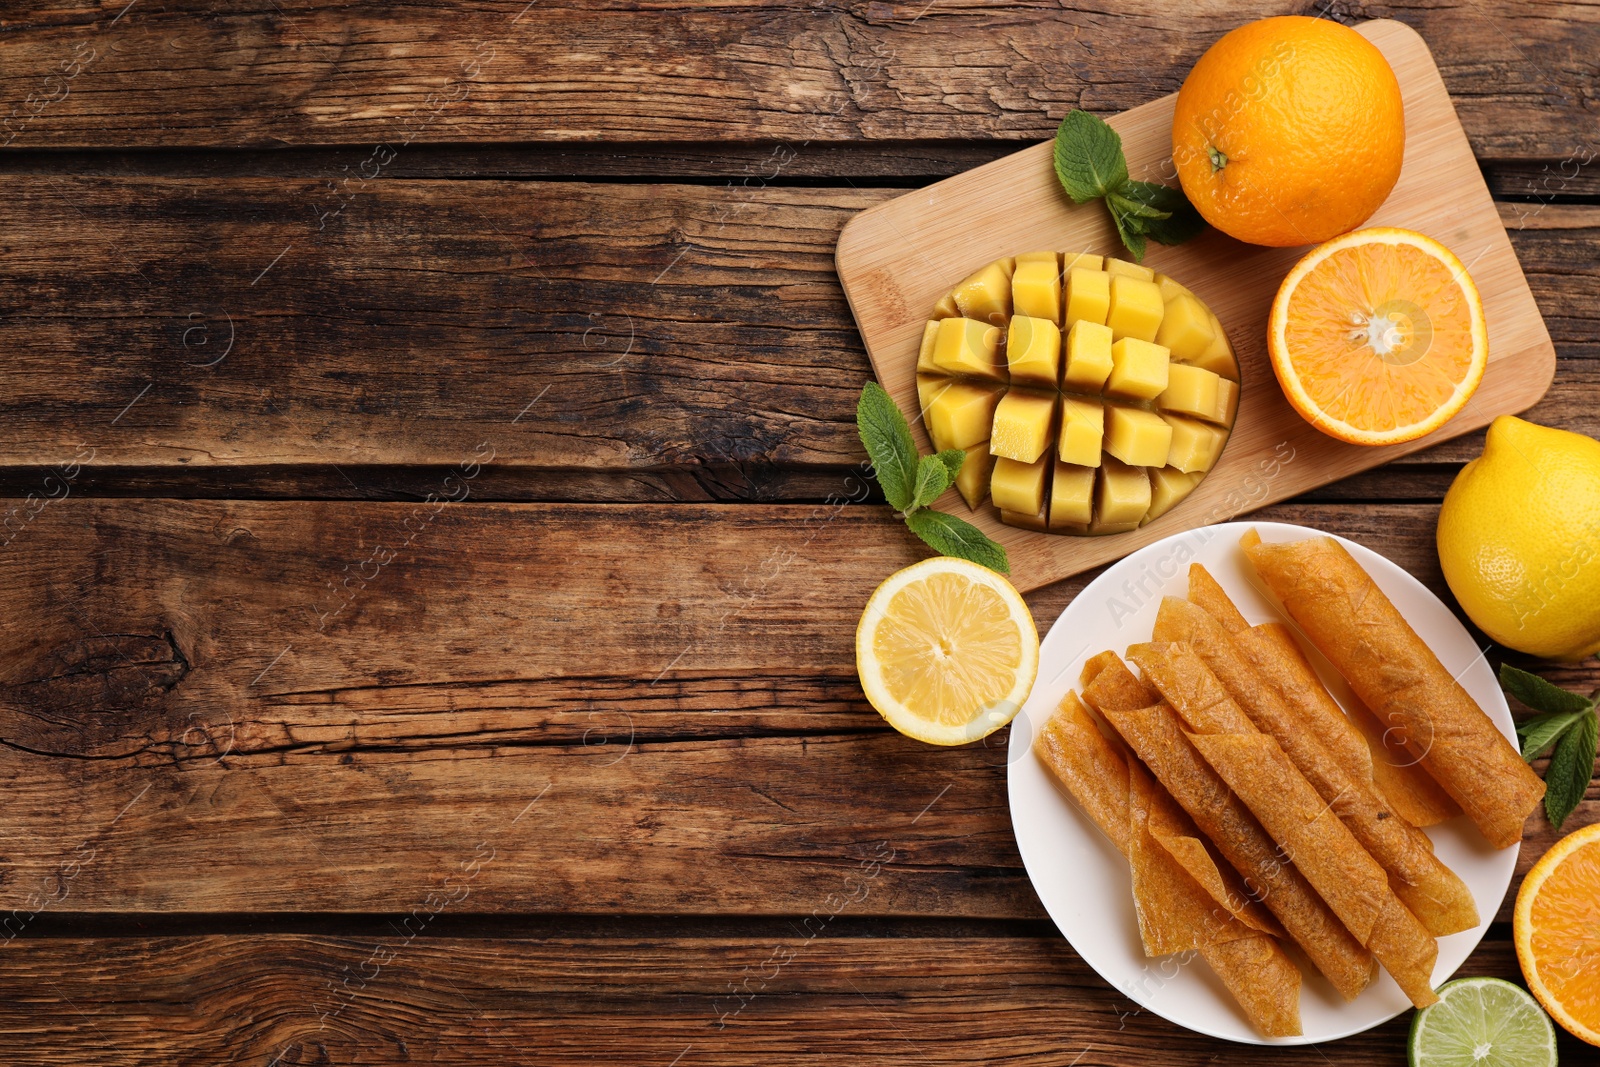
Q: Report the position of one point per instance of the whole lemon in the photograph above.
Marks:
(1288, 131)
(1519, 539)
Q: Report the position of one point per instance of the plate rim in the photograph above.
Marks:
(1020, 744)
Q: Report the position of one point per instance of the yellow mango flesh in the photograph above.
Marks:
(1033, 350)
(1137, 437)
(1036, 291)
(1122, 494)
(1023, 425)
(972, 481)
(1088, 296)
(1090, 395)
(961, 414)
(1082, 431)
(1072, 496)
(1168, 485)
(1194, 445)
(1138, 369)
(1190, 391)
(1019, 487)
(1135, 309)
(1088, 362)
(968, 347)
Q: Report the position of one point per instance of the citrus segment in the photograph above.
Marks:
(1557, 930)
(946, 651)
(1482, 1022)
(1378, 336)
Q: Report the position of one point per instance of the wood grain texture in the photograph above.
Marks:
(791, 999)
(357, 698)
(895, 260)
(299, 72)
(691, 341)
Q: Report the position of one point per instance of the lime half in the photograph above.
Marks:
(1482, 1022)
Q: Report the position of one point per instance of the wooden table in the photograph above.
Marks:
(434, 534)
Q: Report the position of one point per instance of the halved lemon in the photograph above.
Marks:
(947, 651)
(1378, 336)
(1556, 927)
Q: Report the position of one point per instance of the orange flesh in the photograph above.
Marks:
(1565, 934)
(1380, 335)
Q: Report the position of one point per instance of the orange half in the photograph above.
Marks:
(1557, 930)
(1378, 337)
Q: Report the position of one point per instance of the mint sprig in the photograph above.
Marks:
(1565, 722)
(1090, 166)
(911, 482)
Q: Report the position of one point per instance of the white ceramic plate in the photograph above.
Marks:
(1083, 880)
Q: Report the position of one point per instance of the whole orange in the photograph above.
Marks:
(1289, 131)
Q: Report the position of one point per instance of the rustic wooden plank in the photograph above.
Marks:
(326, 706)
(693, 334)
(309, 72)
(800, 997)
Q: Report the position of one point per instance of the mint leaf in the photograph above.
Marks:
(952, 458)
(1090, 165)
(1131, 230)
(1178, 221)
(889, 445)
(1570, 769)
(1539, 694)
(1088, 157)
(951, 536)
(1132, 206)
(933, 478)
(1541, 731)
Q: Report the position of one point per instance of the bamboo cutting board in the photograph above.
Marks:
(897, 258)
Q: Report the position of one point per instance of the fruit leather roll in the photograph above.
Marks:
(1350, 620)
(1356, 739)
(1092, 768)
(1156, 735)
(1175, 913)
(1329, 856)
(1252, 965)
(1430, 889)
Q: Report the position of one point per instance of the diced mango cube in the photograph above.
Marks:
(928, 387)
(1227, 408)
(1082, 261)
(1036, 291)
(1185, 328)
(1033, 349)
(1194, 445)
(930, 333)
(1168, 485)
(1037, 257)
(1019, 487)
(969, 347)
(946, 307)
(1082, 430)
(1088, 296)
(1138, 369)
(972, 480)
(1170, 288)
(1219, 357)
(1136, 436)
(1122, 495)
(960, 415)
(1023, 422)
(1088, 357)
(1036, 523)
(1122, 267)
(1135, 309)
(1190, 391)
(1071, 497)
(986, 295)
